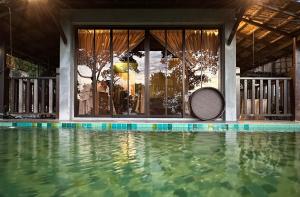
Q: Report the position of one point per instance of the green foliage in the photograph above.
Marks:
(19, 66)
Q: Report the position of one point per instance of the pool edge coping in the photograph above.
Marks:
(171, 127)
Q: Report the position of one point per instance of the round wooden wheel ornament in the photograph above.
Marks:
(207, 103)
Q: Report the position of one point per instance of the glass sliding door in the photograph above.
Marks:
(166, 73)
(93, 73)
(174, 72)
(102, 72)
(158, 73)
(202, 57)
(120, 70)
(85, 73)
(129, 72)
(143, 73)
(136, 81)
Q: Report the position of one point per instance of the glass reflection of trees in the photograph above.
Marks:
(93, 72)
(201, 57)
(129, 78)
(166, 73)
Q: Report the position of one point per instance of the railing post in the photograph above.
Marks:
(245, 96)
(28, 96)
(35, 97)
(269, 97)
(43, 96)
(277, 96)
(253, 97)
(12, 99)
(261, 96)
(20, 105)
(50, 88)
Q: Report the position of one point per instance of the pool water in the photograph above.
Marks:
(70, 162)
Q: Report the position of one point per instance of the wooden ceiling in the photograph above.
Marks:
(274, 22)
(266, 32)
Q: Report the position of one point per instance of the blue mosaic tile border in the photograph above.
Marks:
(165, 127)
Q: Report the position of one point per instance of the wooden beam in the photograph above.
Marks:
(257, 40)
(236, 24)
(266, 27)
(279, 10)
(281, 24)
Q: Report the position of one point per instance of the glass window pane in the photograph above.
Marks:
(102, 72)
(120, 63)
(174, 72)
(85, 67)
(202, 61)
(136, 72)
(157, 76)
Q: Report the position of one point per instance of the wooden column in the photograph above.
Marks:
(296, 77)
(4, 83)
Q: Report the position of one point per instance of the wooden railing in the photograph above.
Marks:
(33, 95)
(265, 97)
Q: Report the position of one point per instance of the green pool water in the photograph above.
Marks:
(70, 162)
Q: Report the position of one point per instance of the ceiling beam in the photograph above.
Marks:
(236, 24)
(266, 27)
(277, 9)
(282, 23)
(256, 40)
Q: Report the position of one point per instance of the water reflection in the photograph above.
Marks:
(75, 162)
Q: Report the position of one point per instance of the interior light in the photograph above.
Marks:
(37, 1)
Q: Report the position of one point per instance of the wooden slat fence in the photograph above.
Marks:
(33, 95)
(264, 96)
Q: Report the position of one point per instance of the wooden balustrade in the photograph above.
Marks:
(264, 96)
(33, 95)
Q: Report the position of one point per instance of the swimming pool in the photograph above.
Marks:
(78, 162)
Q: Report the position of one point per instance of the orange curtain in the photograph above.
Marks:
(85, 46)
(102, 46)
(196, 40)
(201, 40)
(120, 40)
